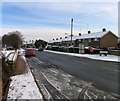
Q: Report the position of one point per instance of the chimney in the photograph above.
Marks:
(89, 32)
(103, 29)
(79, 34)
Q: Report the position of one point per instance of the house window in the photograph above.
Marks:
(96, 39)
(83, 40)
(79, 40)
(89, 40)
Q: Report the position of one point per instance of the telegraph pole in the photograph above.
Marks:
(71, 30)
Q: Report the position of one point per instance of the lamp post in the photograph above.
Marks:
(71, 30)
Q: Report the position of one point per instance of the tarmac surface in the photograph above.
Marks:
(61, 85)
(103, 74)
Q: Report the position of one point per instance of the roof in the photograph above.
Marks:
(63, 39)
(69, 38)
(59, 40)
(92, 35)
(83, 36)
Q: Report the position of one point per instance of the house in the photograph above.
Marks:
(102, 39)
(62, 44)
(118, 42)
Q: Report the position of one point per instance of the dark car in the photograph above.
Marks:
(30, 52)
(104, 51)
(40, 49)
(9, 48)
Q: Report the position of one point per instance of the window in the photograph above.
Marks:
(79, 40)
(89, 40)
(96, 39)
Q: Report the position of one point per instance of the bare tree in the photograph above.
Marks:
(14, 39)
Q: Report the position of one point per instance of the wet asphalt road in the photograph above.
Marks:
(103, 75)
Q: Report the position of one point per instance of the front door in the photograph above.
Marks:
(81, 48)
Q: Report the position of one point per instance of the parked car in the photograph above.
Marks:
(30, 52)
(21, 52)
(40, 49)
(89, 50)
(104, 51)
(48, 47)
(9, 48)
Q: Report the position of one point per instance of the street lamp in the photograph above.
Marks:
(71, 30)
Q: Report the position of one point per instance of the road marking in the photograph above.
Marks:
(111, 69)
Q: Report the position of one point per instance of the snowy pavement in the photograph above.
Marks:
(93, 56)
(23, 86)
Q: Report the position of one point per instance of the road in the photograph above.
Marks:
(103, 75)
(54, 83)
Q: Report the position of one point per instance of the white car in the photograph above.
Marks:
(21, 52)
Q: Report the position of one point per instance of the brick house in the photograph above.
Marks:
(66, 41)
(103, 39)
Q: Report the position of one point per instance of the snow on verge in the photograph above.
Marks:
(23, 87)
(93, 56)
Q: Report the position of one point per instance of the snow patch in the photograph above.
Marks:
(6, 53)
(23, 87)
(96, 57)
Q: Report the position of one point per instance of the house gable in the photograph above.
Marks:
(108, 40)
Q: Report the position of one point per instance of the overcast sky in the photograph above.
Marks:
(48, 20)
